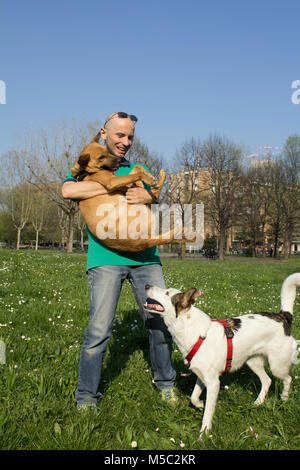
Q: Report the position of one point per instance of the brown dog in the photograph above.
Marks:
(108, 216)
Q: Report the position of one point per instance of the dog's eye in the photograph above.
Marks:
(101, 157)
(167, 293)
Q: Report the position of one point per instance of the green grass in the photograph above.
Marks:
(43, 313)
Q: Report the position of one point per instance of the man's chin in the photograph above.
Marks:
(117, 153)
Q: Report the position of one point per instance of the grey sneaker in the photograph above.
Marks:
(87, 407)
(169, 396)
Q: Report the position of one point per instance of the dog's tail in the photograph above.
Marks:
(288, 292)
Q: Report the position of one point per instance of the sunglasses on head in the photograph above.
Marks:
(122, 115)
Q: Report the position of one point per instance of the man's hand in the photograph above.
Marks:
(138, 195)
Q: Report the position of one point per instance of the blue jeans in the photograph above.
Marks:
(105, 288)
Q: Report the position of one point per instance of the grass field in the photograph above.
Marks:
(43, 312)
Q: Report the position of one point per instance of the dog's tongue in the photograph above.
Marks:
(153, 305)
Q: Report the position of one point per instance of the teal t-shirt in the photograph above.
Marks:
(100, 255)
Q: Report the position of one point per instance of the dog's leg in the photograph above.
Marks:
(287, 380)
(280, 369)
(199, 387)
(160, 183)
(256, 364)
(115, 183)
(165, 238)
(213, 388)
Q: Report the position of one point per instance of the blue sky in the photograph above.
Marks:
(185, 68)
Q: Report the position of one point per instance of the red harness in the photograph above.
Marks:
(229, 335)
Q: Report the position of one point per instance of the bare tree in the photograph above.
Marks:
(255, 203)
(63, 225)
(18, 194)
(37, 213)
(290, 190)
(275, 209)
(20, 200)
(139, 153)
(80, 225)
(222, 187)
(183, 183)
(49, 156)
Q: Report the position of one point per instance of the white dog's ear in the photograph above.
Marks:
(184, 300)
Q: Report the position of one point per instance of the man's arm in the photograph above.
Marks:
(139, 195)
(87, 189)
(81, 190)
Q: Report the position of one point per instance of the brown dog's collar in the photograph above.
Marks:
(106, 168)
(124, 162)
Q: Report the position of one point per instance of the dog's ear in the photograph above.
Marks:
(97, 138)
(193, 294)
(184, 300)
(83, 160)
(190, 296)
(176, 301)
(80, 164)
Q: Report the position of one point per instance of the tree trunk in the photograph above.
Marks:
(18, 237)
(81, 240)
(222, 244)
(70, 231)
(254, 247)
(286, 247)
(36, 240)
(276, 237)
(263, 240)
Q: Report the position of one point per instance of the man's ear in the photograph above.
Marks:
(80, 164)
(103, 133)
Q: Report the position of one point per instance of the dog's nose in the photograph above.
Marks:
(147, 286)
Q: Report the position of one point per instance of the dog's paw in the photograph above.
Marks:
(204, 434)
(258, 401)
(198, 403)
(148, 178)
(284, 397)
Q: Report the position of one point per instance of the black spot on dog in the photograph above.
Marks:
(285, 317)
(234, 323)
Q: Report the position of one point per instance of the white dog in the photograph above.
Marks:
(211, 347)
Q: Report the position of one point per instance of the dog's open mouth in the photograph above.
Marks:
(152, 305)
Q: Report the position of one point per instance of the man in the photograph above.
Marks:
(107, 271)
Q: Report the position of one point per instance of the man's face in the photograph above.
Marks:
(118, 135)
